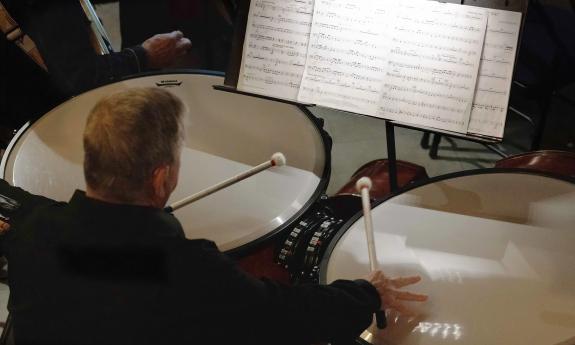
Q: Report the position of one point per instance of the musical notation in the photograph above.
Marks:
(424, 92)
(269, 63)
(314, 70)
(436, 35)
(421, 44)
(431, 70)
(344, 83)
(321, 49)
(283, 20)
(344, 100)
(349, 41)
(271, 71)
(336, 16)
(441, 23)
(440, 56)
(491, 90)
(433, 60)
(503, 77)
(270, 81)
(272, 47)
(278, 29)
(282, 7)
(345, 60)
(498, 60)
(327, 60)
(405, 114)
(489, 109)
(431, 64)
(275, 47)
(440, 83)
(420, 104)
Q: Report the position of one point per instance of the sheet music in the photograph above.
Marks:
(346, 54)
(433, 62)
(495, 74)
(275, 47)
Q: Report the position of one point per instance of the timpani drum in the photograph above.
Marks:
(495, 249)
(227, 134)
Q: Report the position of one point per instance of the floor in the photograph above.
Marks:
(360, 139)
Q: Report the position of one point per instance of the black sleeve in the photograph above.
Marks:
(336, 313)
(61, 31)
(287, 314)
(16, 203)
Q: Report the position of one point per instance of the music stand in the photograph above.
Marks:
(233, 70)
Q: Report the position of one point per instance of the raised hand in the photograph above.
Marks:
(4, 227)
(163, 49)
(391, 297)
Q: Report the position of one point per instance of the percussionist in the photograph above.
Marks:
(112, 267)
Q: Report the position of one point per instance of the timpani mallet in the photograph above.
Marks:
(277, 159)
(363, 186)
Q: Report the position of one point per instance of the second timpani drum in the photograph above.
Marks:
(495, 249)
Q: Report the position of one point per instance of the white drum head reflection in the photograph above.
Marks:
(496, 253)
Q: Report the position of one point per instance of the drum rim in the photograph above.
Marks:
(245, 248)
(13, 143)
(485, 171)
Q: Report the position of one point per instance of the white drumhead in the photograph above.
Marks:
(496, 253)
(226, 134)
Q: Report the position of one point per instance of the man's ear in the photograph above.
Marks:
(160, 179)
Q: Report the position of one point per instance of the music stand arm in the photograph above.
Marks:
(391, 157)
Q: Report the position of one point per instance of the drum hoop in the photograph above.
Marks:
(317, 124)
(11, 145)
(345, 227)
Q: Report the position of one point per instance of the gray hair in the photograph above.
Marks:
(127, 136)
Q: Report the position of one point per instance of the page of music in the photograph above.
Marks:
(419, 62)
(346, 57)
(433, 60)
(495, 72)
(275, 47)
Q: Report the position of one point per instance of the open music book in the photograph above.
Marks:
(418, 62)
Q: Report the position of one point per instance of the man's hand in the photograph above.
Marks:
(163, 49)
(4, 227)
(391, 297)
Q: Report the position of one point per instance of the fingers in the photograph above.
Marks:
(375, 277)
(378, 277)
(184, 45)
(404, 281)
(408, 296)
(402, 309)
(392, 298)
(177, 34)
(4, 227)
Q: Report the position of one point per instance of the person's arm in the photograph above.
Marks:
(334, 313)
(287, 314)
(16, 202)
(62, 33)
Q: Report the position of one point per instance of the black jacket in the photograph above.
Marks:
(61, 32)
(90, 272)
